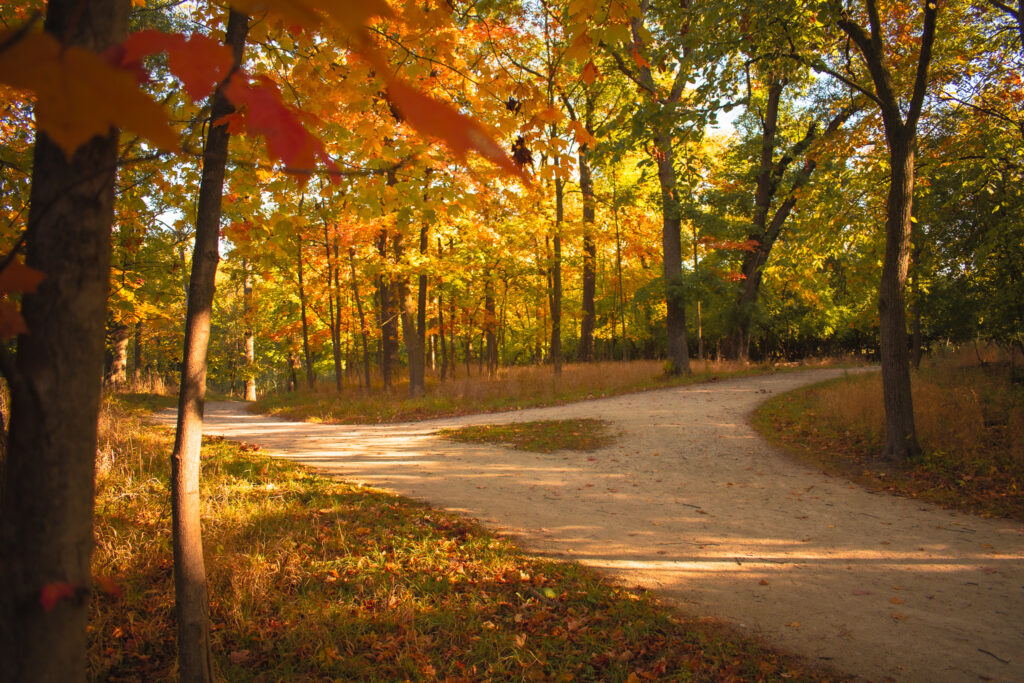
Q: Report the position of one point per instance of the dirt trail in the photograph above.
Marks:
(690, 502)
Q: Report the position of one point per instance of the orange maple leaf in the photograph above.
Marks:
(200, 62)
(590, 73)
(79, 94)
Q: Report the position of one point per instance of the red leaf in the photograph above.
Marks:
(590, 73)
(52, 593)
(437, 119)
(640, 60)
(199, 61)
(108, 586)
(264, 114)
(17, 277)
(11, 322)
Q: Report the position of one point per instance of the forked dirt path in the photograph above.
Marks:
(690, 502)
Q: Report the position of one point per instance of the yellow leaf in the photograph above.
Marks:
(350, 16)
(582, 135)
(78, 94)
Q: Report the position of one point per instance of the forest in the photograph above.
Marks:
(263, 198)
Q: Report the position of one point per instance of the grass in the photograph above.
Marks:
(540, 436)
(511, 389)
(970, 422)
(314, 579)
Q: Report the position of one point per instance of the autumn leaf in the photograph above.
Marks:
(52, 593)
(200, 62)
(349, 16)
(79, 94)
(107, 585)
(17, 277)
(437, 119)
(582, 135)
(11, 322)
(263, 114)
(640, 60)
(590, 73)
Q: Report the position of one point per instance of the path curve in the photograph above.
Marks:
(690, 502)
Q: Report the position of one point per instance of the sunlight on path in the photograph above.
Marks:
(691, 502)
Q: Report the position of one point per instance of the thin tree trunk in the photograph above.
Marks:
(440, 334)
(138, 359)
(334, 312)
(589, 247)
(621, 298)
(191, 601)
(302, 313)
(249, 336)
(555, 275)
(421, 307)
(362, 319)
(490, 321)
(388, 317)
(47, 485)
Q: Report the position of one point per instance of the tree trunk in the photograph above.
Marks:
(333, 311)
(900, 430)
(490, 321)
(440, 334)
(388, 318)
(302, 313)
(362, 318)
(421, 307)
(138, 360)
(191, 598)
(672, 251)
(555, 280)
(589, 251)
(118, 373)
(249, 338)
(47, 486)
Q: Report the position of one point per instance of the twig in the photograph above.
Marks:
(994, 656)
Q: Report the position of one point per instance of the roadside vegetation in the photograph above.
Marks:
(970, 415)
(312, 578)
(511, 388)
(539, 436)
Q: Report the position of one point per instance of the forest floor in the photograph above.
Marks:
(689, 501)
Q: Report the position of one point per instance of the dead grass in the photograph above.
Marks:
(314, 579)
(511, 388)
(970, 422)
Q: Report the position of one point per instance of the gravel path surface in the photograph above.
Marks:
(690, 502)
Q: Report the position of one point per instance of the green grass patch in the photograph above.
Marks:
(312, 578)
(970, 425)
(541, 436)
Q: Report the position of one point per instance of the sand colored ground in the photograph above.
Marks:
(691, 503)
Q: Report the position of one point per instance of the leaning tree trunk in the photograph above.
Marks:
(47, 486)
(672, 270)
(191, 599)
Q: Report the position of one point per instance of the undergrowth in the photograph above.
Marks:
(970, 422)
(510, 389)
(540, 436)
(314, 579)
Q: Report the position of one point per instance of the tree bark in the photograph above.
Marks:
(555, 279)
(302, 313)
(335, 323)
(421, 308)
(672, 263)
(120, 336)
(589, 315)
(191, 599)
(490, 322)
(249, 337)
(47, 486)
(362, 318)
(138, 359)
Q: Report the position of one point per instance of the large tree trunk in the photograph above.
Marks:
(589, 316)
(47, 489)
(672, 264)
(900, 430)
(191, 599)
